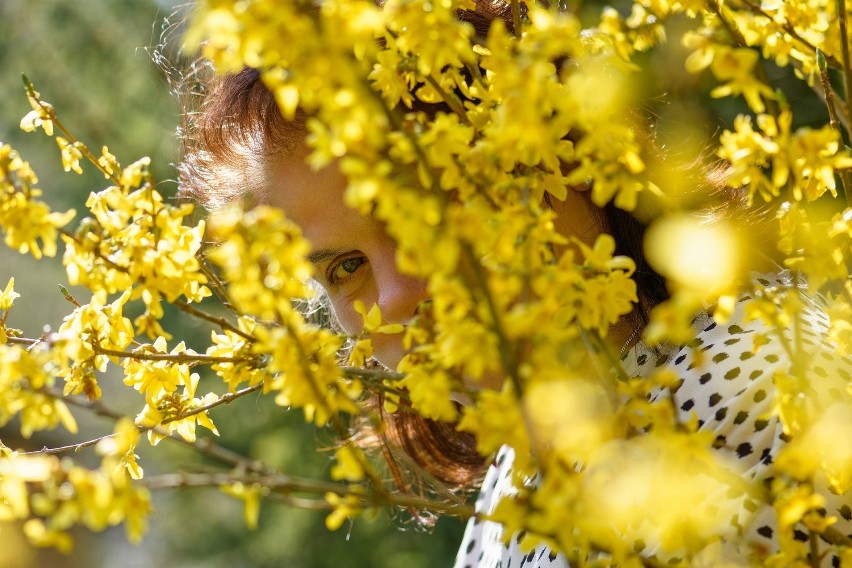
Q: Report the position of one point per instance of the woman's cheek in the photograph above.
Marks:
(350, 320)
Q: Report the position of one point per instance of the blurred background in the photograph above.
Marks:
(92, 60)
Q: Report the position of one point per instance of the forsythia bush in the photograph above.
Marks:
(517, 309)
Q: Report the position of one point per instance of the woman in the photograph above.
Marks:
(242, 149)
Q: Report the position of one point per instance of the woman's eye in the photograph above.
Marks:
(344, 269)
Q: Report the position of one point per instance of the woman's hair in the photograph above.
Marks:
(238, 128)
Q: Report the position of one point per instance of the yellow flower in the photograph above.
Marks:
(71, 154)
(8, 296)
(250, 495)
(736, 66)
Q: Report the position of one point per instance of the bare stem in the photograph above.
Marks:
(221, 322)
(72, 448)
(226, 398)
(374, 379)
(173, 357)
(510, 365)
(847, 64)
(23, 341)
(813, 545)
(516, 17)
(833, 119)
(286, 484)
(451, 99)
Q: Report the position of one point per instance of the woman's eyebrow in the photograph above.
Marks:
(322, 255)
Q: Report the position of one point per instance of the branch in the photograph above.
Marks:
(286, 484)
(51, 115)
(226, 398)
(72, 448)
(847, 65)
(173, 357)
(833, 119)
(221, 322)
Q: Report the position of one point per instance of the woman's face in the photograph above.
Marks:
(353, 257)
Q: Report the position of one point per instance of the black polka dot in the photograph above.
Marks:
(704, 378)
(741, 417)
(743, 449)
(721, 413)
(714, 399)
(765, 531)
(686, 406)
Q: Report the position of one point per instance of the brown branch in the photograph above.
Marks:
(221, 322)
(173, 357)
(847, 64)
(226, 398)
(286, 484)
(72, 448)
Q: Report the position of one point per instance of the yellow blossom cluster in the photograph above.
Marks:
(134, 241)
(465, 143)
(28, 224)
(51, 494)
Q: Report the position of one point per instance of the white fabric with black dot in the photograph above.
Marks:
(729, 389)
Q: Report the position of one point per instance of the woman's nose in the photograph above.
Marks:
(399, 294)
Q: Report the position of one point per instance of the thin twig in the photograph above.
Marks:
(510, 365)
(72, 448)
(813, 545)
(226, 398)
(221, 322)
(23, 340)
(173, 357)
(451, 99)
(847, 64)
(516, 17)
(833, 119)
(288, 484)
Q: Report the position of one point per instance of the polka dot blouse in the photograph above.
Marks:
(729, 388)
